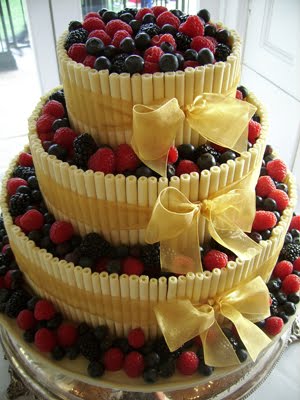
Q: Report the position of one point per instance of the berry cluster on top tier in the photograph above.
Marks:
(60, 140)
(146, 40)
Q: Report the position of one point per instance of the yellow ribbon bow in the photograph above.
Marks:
(180, 321)
(219, 119)
(175, 224)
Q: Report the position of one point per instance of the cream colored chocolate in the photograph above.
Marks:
(90, 94)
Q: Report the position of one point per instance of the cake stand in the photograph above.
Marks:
(41, 378)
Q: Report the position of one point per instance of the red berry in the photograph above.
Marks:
(296, 264)
(67, 335)
(26, 320)
(116, 25)
(44, 310)
(55, 108)
(101, 264)
(157, 40)
(8, 279)
(44, 123)
(132, 266)
(277, 170)
(264, 220)
(254, 129)
(215, 259)
(157, 10)
(103, 160)
(172, 155)
(101, 34)
(151, 68)
(91, 14)
(186, 167)
(239, 95)
(61, 231)
(77, 52)
(113, 359)
(126, 159)
(143, 11)
(201, 42)
(168, 18)
(273, 325)
(295, 223)
(136, 338)
(13, 184)
(192, 27)
(65, 137)
(281, 198)
(118, 37)
(291, 284)
(25, 159)
(283, 269)
(153, 54)
(134, 364)
(32, 220)
(93, 23)
(89, 61)
(17, 220)
(46, 137)
(264, 186)
(2, 282)
(187, 363)
(190, 63)
(45, 340)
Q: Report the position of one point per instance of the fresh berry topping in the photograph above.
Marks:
(113, 359)
(291, 284)
(26, 320)
(283, 269)
(65, 137)
(84, 146)
(151, 29)
(281, 198)
(103, 63)
(44, 310)
(273, 325)
(159, 39)
(291, 251)
(157, 10)
(296, 264)
(167, 18)
(94, 46)
(264, 220)
(239, 95)
(136, 338)
(18, 203)
(44, 123)
(201, 42)
(215, 259)
(205, 56)
(134, 64)
(89, 61)
(187, 363)
(150, 67)
(102, 35)
(76, 36)
(67, 335)
(254, 129)
(45, 340)
(32, 220)
(142, 12)
(264, 186)
(222, 52)
(134, 364)
(153, 54)
(61, 231)
(295, 223)
(91, 15)
(186, 167)
(172, 155)
(25, 160)
(13, 184)
(93, 23)
(77, 52)
(126, 159)
(192, 27)
(117, 25)
(277, 169)
(168, 63)
(132, 266)
(118, 37)
(103, 160)
(94, 246)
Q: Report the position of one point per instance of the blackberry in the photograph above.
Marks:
(126, 10)
(150, 255)
(206, 148)
(18, 203)
(118, 63)
(84, 146)
(95, 369)
(16, 303)
(58, 96)
(23, 172)
(222, 52)
(167, 368)
(290, 252)
(183, 41)
(4, 295)
(89, 347)
(94, 246)
(77, 36)
(151, 28)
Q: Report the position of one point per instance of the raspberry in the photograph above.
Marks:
(283, 269)
(67, 335)
(93, 23)
(143, 11)
(157, 40)
(172, 155)
(254, 129)
(190, 63)
(126, 159)
(113, 359)
(187, 363)
(117, 25)
(103, 160)
(296, 264)
(65, 137)
(77, 52)
(100, 34)
(201, 42)
(264, 220)
(46, 137)
(25, 160)
(192, 27)
(17, 220)
(55, 108)
(151, 68)
(118, 37)
(167, 18)
(91, 14)
(239, 95)
(45, 340)
(215, 259)
(291, 284)
(295, 223)
(44, 123)
(61, 231)
(134, 364)
(26, 320)
(13, 184)
(273, 325)
(89, 61)
(32, 220)
(186, 167)
(132, 266)
(281, 198)
(264, 186)
(277, 170)
(212, 40)
(153, 54)
(136, 338)
(44, 310)
(101, 264)
(157, 10)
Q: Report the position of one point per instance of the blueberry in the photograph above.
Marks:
(180, 59)
(95, 369)
(114, 266)
(168, 63)
(149, 18)
(204, 14)
(274, 285)
(63, 248)
(269, 204)
(143, 171)
(110, 51)
(227, 155)
(289, 308)
(134, 64)
(277, 215)
(102, 63)
(24, 189)
(167, 28)
(152, 360)
(294, 298)
(150, 375)
(210, 30)
(60, 123)
(127, 45)
(186, 151)
(32, 302)
(167, 47)
(102, 11)
(177, 13)
(94, 46)
(55, 322)
(72, 257)
(170, 171)
(190, 55)
(205, 370)
(295, 233)
(261, 324)
(36, 196)
(206, 161)
(135, 25)
(205, 56)
(73, 25)
(123, 344)
(263, 171)
(35, 236)
(242, 354)
(259, 202)
(72, 352)
(142, 41)
(109, 16)
(266, 234)
(268, 158)
(281, 298)
(288, 238)
(167, 368)
(126, 17)
(58, 353)
(282, 186)
(222, 36)
(283, 316)
(58, 151)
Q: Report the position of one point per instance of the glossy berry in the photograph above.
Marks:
(167, 28)
(94, 46)
(264, 186)
(215, 259)
(134, 64)
(26, 320)
(58, 151)
(132, 266)
(283, 269)
(127, 45)
(291, 284)
(273, 325)
(135, 25)
(44, 310)
(264, 220)
(142, 41)
(205, 56)
(277, 169)
(222, 36)
(67, 335)
(103, 160)
(280, 197)
(190, 54)
(113, 359)
(186, 167)
(206, 161)
(102, 63)
(136, 338)
(95, 369)
(134, 364)
(61, 231)
(13, 184)
(187, 363)
(204, 14)
(150, 375)
(168, 63)
(45, 340)
(186, 151)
